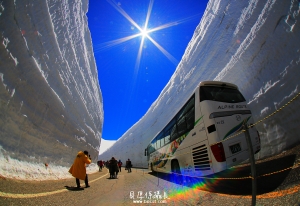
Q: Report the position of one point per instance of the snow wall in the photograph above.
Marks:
(50, 100)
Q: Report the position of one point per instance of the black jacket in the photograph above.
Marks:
(113, 166)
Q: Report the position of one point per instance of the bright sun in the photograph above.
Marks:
(144, 33)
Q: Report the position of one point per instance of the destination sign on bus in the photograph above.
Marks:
(232, 106)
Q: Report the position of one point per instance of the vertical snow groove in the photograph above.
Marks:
(248, 40)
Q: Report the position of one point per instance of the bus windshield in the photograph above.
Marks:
(220, 94)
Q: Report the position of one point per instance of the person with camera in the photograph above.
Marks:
(78, 169)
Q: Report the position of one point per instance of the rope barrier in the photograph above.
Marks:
(271, 173)
(233, 178)
(242, 131)
(276, 110)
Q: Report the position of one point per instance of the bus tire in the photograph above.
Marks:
(152, 170)
(176, 171)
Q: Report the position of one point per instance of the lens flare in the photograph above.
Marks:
(197, 188)
(144, 33)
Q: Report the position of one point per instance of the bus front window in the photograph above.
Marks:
(221, 94)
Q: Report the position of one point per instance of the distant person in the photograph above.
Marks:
(120, 165)
(128, 165)
(101, 164)
(113, 168)
(98, 163)
(78, 169)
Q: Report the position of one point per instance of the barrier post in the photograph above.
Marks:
(252, 161)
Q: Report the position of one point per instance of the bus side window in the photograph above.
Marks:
(190, 119)
(181, 124)
(151, 149)
(186, 118)
(167, 139)
(159, 142)
(174, 133)
(170, 130)
(162, 142)
(153, 144)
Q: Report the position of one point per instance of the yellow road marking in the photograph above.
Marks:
(263, 196)
(11, 195)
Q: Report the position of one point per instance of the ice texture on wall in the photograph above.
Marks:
(50, 99)
(254, 44)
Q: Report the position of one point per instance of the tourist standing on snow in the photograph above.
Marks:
(78, 169)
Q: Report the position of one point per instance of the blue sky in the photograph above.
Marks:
(131, 74)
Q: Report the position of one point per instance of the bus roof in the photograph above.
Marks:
(218, 83)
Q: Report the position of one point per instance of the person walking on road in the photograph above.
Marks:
(128, 165)
(113, 168)
(120, 165)
(78, 169)
(100, 164)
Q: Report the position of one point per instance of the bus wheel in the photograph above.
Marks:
(152, 168)
(176, 172)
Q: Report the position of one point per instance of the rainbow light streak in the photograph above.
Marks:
(196, 186)
(187, 193)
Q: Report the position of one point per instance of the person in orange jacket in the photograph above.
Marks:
(78, 169)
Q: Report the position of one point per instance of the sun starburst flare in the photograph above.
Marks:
(144, 33)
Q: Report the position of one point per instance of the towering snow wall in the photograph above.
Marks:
(254, 44)
(50, 100)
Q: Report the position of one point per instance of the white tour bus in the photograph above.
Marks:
(192, 142)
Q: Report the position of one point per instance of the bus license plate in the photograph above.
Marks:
(235, 148)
